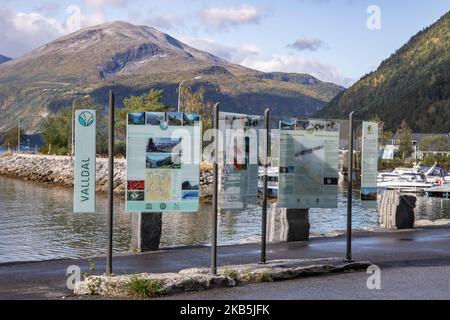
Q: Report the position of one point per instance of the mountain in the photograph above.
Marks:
(4, 59)
(413, 84)
(132, 59)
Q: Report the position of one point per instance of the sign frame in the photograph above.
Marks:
(159, 146)
(317, 142)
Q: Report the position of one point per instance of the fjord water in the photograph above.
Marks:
(37, 223)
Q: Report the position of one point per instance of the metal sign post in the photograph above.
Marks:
(110, 184)
(348, 256)
(215, 191)
(264, 204)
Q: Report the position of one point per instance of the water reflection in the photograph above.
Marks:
(37, 223)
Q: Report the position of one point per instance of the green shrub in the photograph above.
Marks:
(143, 288)
(230, 273)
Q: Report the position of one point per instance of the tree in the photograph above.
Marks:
(435, 143)
(148, 102)
(194, 101)
(386, 135)
(10, 137)
(56, 132)
(57, 129)
(405, 135)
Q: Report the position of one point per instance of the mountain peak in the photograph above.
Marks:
(121, 47)
(130, 60)
(4, 59)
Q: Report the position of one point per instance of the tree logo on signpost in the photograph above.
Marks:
(164, 125)
(86, 118)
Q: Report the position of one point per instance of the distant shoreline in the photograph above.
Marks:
(58, 170)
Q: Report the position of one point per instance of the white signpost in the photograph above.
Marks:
(84, 169)
(163, 157)
(238, 188)
(369, 165)
(308, 164)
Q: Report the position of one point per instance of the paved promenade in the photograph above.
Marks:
(425, 250)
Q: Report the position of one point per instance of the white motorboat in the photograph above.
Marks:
(436, 175)
(272, 181)
(404, 181)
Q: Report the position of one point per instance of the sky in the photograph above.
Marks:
(335, 40)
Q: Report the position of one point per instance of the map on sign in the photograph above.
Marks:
(238, 189)
(308, 164)
(163, 156)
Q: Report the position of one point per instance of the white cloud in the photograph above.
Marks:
(317, 1)
(22, 32)
(298, 64)
(47, 7)
(164, 21)
(102, 3)
(229, 53)
(223, 18)
(305, 43)
(249, 55)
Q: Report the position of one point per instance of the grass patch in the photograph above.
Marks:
(91, 269)
(143, 288)
(265, 277)
(231, 273)
(255, 277)
(135, 249)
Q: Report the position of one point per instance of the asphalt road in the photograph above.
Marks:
(414, 263)
(396, 283)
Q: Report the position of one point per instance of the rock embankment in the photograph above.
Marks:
(148, 285)
(59, 170)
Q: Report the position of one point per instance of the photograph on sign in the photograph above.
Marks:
(238, 174)
(163, 156)
(85, 161)
(308, 164)
(369, 165)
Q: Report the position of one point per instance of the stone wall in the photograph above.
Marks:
(59, 170)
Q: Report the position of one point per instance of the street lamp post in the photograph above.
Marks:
(179, 90)
(72, 135)
(18, 136)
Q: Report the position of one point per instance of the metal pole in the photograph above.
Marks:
(264, 204)
(348, 256)
(73, 131)
(109, 269)
(18, 136)
(215, 192)
(179, 95)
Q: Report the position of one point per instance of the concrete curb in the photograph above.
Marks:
(148, 285)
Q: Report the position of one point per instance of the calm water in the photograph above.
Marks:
(37, 223)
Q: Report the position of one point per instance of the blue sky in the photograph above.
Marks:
(329, 39)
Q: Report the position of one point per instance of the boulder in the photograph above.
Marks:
(404, 217)
(396, 210)
(287, 225)
(146, 231)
